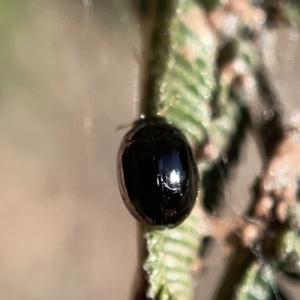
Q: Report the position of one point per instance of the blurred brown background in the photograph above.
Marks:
(66, 80)
(66, 85)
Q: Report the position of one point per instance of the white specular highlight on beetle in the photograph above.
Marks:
(174, 177)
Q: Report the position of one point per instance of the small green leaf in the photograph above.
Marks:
(256, 284)
(291, 11)
(288, 251)
(293, 215)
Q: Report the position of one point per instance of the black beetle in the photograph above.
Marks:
(158, 177)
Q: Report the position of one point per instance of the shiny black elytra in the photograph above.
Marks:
(158, 178)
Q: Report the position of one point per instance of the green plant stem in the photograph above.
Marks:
(156, 43)
(156, 19)
(141, 283)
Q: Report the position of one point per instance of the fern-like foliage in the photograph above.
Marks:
(187, 89)
(171, 256)
(203, 78)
